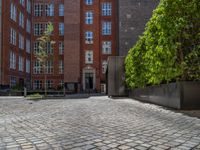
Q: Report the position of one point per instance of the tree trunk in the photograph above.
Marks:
(45, 84)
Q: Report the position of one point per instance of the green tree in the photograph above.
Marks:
(42, 55)
(169, 48)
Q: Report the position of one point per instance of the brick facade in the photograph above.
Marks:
(96, 47)
(20, 78)
(55, 77)
(72, 45)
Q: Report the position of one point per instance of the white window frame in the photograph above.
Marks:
(61, 47)
(89, 2)
(89, 15)
(21, 41)
(49, 10)
(61, 10)
(107, 28)
(89, 57)
(13, 12)
(107, 47)
(21, 19)
(106, 9)
(13, 36)
(89, 37)
(12, 60)
(21, 63)
(28, 66)
(61, 66)
(61, 29)
(38, 9)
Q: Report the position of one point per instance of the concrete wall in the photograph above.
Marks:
(133, 16)
(165, 95)
(116, 77)
(180, 95)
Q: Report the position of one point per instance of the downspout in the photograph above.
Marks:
(1, 41)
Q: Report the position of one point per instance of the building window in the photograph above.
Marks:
(22, 2)
(49, 9)
(12, 60)
(37, 69)
(13, 36)
(37, 84)
(49, 67)
(104, 66)
(38, 29)
(38, 9)
(21, 19)
(61, 28)
(28, 66)
(21, 41)
(21, 63)
(89, 17)
(49, 48)
(89, 37)
(28, 26)
(61, 48)
(36, 47)
(107, 47)
(88, 2)
(13, 81)
(89, 57)
(13, 12)
(28, 46)
(45, 26)
(49, 84)
(106, 28)
(28, 6)
(61, 67)
(61, 9)
(61, 84)
(106, 9)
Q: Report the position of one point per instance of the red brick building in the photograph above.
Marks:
(90, 37)
(84, 35)
(15, 48)
(45, 11)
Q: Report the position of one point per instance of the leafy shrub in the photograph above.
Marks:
(169, 48)
(36, 96)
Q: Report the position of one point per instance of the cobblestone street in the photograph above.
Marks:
(94, 123)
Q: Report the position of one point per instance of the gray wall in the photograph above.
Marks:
(133, 16)
(179, 95)
(116, 76)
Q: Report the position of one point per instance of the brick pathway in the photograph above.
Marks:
(94, 123)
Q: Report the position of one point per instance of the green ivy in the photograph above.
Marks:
(169, 48)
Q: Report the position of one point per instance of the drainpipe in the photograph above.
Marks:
(1, 39)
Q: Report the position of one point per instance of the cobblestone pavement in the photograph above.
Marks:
(94, 123)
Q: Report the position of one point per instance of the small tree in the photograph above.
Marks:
(42, 55)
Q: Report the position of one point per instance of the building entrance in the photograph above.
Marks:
(89, 84)
(89, 80)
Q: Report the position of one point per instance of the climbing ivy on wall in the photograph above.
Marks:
(169, 49)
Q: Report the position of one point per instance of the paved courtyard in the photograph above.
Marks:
(94, 123)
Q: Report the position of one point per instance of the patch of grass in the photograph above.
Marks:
(35, 97)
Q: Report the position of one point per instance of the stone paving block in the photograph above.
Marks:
(141, 148)
(113, 145)
(123, 147)
(95, 123)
